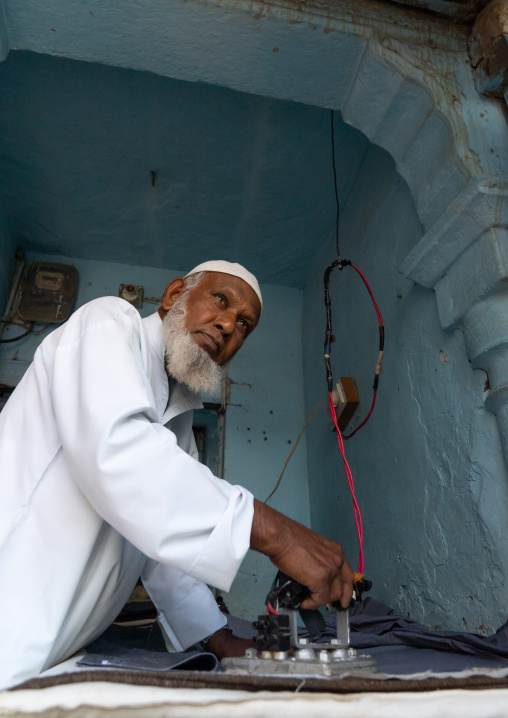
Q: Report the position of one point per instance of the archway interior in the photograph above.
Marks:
(135, 178)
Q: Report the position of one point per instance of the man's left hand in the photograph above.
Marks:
(225, 644)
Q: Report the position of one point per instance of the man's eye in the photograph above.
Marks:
(244, 325)
(220, 297)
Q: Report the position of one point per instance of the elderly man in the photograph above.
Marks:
(100, 482)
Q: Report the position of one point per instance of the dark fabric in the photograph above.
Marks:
(104, 654)
(374, 624)
(148, 636)
(406, 660)
(136, 611)
(377, 625)
(399, 645)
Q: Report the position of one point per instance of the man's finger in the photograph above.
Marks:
(310, 603)
(347, 593)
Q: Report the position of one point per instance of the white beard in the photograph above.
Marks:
(185, 361)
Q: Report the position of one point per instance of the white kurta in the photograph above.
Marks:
(99, 484)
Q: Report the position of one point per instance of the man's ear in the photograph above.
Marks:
(173, 291)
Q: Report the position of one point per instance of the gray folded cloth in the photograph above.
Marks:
(104, 654)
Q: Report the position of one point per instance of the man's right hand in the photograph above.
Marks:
(305, 556)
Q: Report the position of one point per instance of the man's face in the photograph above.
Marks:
(220, 313)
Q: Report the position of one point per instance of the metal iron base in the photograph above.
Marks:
(305, 662)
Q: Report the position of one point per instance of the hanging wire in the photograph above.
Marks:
(329, 339)
(20, 336)
(349, 475)
(309, 420)
(337, 217)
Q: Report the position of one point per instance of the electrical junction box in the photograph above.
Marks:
(346, 401)
(46, 292)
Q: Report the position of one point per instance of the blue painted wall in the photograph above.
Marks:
(245, 175)
(6, 259)
(265, 412)
(429, 472)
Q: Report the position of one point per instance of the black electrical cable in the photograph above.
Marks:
(329, 338)
(20, 336)
(335, 185)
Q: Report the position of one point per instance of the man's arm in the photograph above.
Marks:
(187, 610)
(128, 466)
(307, 557)
(302, 554)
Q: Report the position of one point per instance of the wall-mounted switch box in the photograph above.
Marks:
(346, 401)
(46, 292)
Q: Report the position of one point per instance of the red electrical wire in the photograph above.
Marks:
(270, 609)
(356, 508)
(348, 436)
(378, 313)
(379, 363)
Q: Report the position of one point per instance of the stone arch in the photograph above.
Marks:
(461, 199)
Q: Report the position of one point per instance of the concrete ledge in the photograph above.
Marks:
(482, 270)
(482, 203)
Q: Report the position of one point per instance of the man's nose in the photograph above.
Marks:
(226, 322)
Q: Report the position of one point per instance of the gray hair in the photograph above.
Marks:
(192, 282)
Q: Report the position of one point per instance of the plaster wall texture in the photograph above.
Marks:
(321, 53)
(429, 470)
(265, 412)
(79, 142)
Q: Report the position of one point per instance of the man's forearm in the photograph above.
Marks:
(311, 559)
(270, 532)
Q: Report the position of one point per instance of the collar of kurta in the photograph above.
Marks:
(182, 398)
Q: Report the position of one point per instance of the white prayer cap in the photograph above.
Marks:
(236, 270)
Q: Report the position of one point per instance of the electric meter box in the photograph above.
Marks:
(46, 292)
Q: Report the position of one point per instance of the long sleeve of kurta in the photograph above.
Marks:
(129, 466)
(187, 609)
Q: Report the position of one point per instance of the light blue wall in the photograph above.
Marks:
(245, 175)
(430, 477)
(265, 412)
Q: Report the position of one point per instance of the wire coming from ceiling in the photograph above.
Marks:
(337, 203)
(329, 339)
